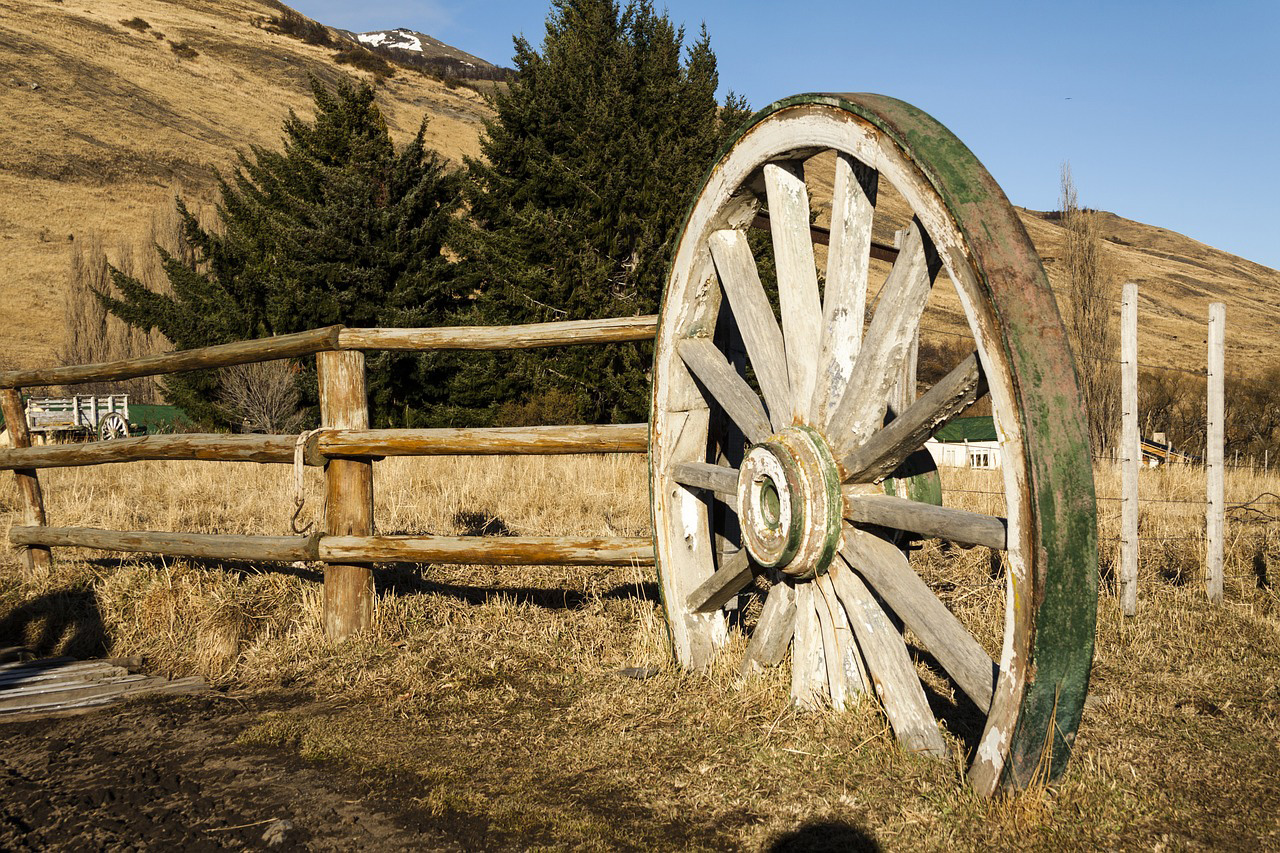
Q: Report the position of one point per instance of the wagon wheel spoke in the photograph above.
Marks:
(891, 671)
(886, 570)
(798, 296)
(845, 670)
(728, 389)
(730, 579)
(754, 315)
(844, 300)
(774, 629)
(712, 478)
(878, 365)
(888, 448)
(955, 525)
(809, 688)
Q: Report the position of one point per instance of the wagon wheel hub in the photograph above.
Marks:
(789, 503)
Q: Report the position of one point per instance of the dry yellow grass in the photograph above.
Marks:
(493, 692)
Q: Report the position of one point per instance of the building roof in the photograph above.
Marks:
(981, 428)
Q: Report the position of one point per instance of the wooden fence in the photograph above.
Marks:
(344, 446)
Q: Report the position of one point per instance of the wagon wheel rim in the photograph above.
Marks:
(814, 422)
(113, 426)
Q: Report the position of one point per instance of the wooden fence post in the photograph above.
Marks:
(1215, 514)
(348, 589)
(1130, 450)
(38, 558)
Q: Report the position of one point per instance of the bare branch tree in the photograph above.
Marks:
(262, 397)
(1092, 319)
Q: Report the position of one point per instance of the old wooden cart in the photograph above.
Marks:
(105, 416)
(784, 441)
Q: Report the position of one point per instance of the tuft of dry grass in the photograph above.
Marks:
(495, 694)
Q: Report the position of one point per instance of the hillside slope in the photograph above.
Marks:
(107, 117)
(104, 122)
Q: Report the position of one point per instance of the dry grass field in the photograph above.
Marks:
(491, 699)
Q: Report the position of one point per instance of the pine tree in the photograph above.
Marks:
(338, 227)
(589, 168)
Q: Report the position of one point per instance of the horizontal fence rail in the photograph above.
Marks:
(332, 338)
(223, 355)
(286, 549)
(488, 441)
(532, 335)
(467, 550)
(209, 447)
(344, 445)
(326, 444)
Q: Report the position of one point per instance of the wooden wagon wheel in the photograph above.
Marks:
(113, 426)
(771, 442)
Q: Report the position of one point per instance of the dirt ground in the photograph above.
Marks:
(168, 774)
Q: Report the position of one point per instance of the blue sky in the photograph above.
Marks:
(1168, 112)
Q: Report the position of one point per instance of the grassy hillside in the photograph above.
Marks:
(105, 121)
(111, 110)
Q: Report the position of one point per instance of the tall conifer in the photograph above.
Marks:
(589, 167)
(338, 227)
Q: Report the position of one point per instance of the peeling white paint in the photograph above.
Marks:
(991, 750)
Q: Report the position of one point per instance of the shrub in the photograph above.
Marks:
(290, 23)
(365, 60)
(136, 24)
(184, 50)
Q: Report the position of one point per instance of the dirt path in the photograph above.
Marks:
(168, 774)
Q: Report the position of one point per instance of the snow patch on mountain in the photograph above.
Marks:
(400, 38)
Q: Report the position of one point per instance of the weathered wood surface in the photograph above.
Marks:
(202, 545)
(538, 440)
(703, 475)
(897, 684)
(855, 668)
(755, 320)
(886, 449)
(886, 571)
(563, 333)
(1215, 510)
(798, 296)
(878, 366)
(199, 446)
(44, 686)
(844, 299)
(683, 533)
(728, 581)
(774, 630)
(822, 237)
(37, 558)
(223, 355)
(842, 684)
(348, 588)
(956, 525)
(1130, 450)
(729, 389)
(489, 550)
(809, 688)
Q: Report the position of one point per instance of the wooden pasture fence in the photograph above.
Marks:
(344, 446)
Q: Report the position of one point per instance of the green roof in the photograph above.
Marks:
(981, 428)
(159, 418)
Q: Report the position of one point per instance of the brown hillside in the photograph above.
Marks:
(104, 122)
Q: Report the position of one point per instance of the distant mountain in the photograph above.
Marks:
(419, 50)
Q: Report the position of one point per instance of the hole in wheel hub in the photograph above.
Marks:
(789, 503)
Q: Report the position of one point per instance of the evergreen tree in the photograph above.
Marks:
(339, 227)
(589, 168)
